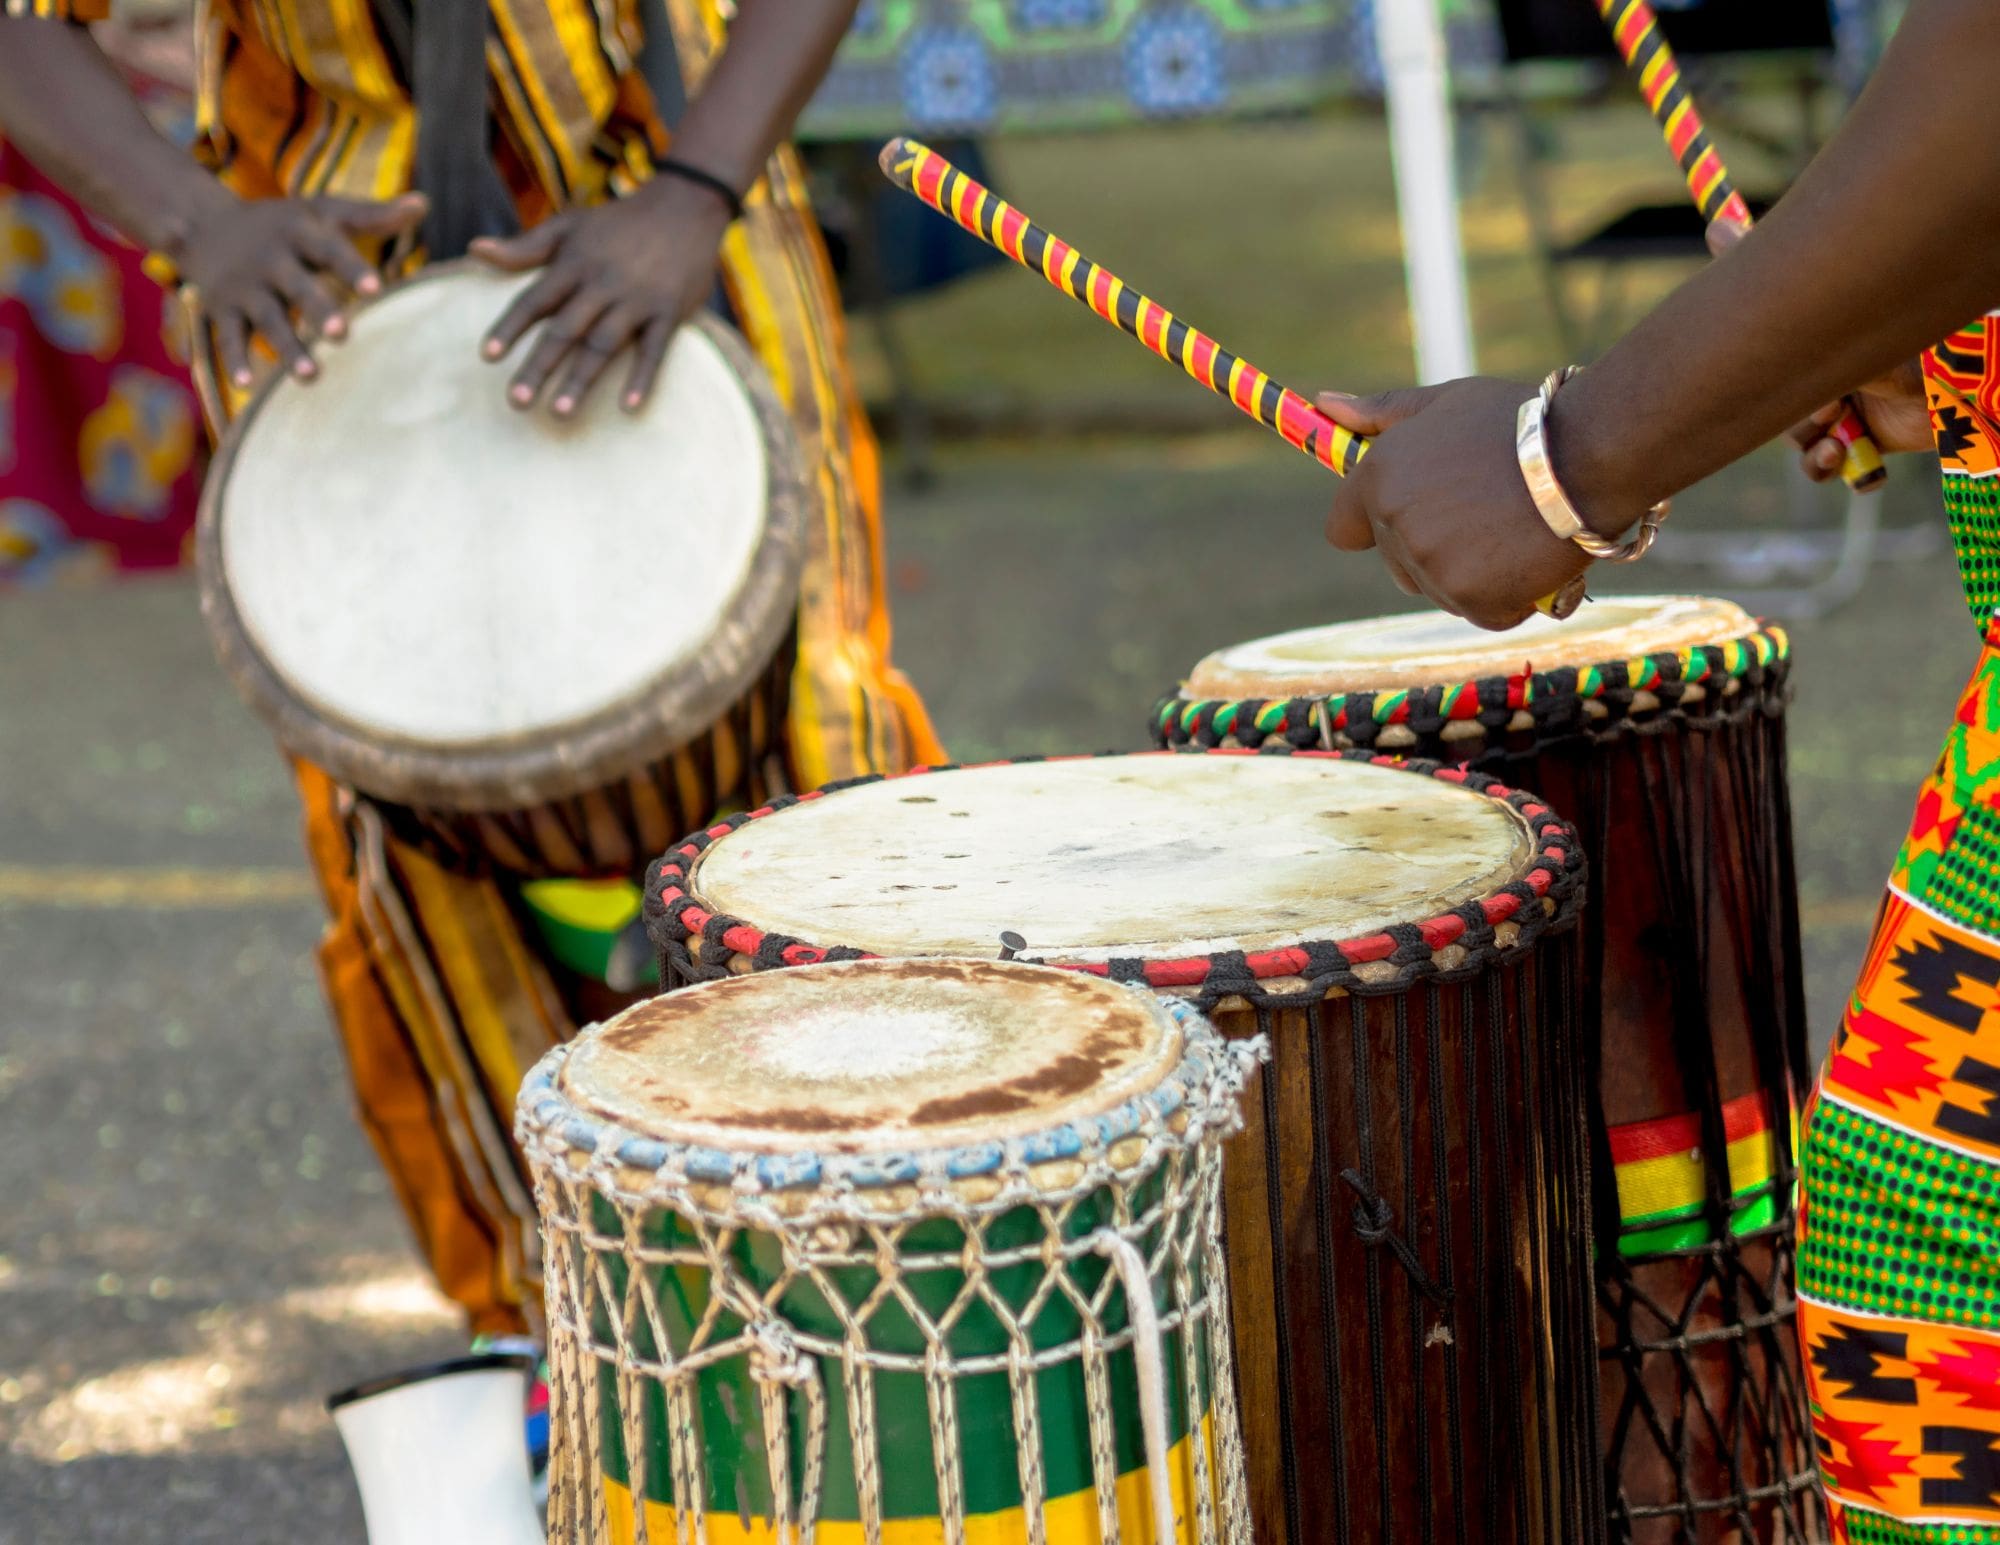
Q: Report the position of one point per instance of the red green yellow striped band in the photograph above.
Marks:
(1662, 1177)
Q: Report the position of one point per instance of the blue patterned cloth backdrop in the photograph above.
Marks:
(1008, 66)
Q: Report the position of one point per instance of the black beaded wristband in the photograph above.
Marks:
(673, 167)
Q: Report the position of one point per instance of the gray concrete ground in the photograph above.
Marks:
(195, 1244)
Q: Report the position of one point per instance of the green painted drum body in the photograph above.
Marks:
(860, 1247)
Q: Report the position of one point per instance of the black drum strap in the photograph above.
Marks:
(659, 63)
(455, 169)
(439, 48)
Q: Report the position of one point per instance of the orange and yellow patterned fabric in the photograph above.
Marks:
(440, 994)
(304, 96)
(1899, 1252)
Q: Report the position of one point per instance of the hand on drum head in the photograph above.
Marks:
(1440, 495)
(281, 269)
(624, 274)
(1892, 406)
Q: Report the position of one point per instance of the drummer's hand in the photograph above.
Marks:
(624, 273)
(1893, 407)
(1440, 494)
(281, 270)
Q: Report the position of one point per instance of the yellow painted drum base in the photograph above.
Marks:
(1071, 1520)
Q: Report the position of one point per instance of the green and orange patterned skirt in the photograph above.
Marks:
(1899, 1259)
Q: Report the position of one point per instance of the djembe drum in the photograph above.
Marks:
(549, 646)
(889, 1251)
(1656, 725)
(1406, 1219)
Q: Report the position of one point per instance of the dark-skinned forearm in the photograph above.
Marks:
(775, 57)
(66, 107)
(1889, 241)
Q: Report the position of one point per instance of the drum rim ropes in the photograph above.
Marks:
(1548, 895)
(1133, 1104)
(1478, 980)
(1465, 718)
(504, 772)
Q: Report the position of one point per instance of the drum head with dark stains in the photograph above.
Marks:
(1156, 857)
(873, 1056)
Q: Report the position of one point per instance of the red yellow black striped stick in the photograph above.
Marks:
(1636, 31)
(920, 170)
(978, 210)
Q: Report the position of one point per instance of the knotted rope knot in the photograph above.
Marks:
(775, 1357)
(1372, 1216)
(1373, 1222)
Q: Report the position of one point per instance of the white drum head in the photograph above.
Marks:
(1425, 649)
(1153, 857)
(868, 1056)
(427, 570)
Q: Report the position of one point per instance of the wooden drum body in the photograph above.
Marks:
(889, 1252)
(1407, 1218)
(550, 646)
(1656, 725)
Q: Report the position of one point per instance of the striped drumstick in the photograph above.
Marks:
(920, 170)
(978, 210)
(1636, 31)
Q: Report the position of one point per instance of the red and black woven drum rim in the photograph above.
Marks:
(1609, 698)
(1546, 897)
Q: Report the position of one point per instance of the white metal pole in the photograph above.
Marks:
(1416, 84)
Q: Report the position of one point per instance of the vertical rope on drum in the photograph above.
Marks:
(1751, 906)
(1103, 1448)
(1580, 1264)
(597, 1275)
(625, 818)
(1496, 1042)
(941, 1403)
(1482, 1361)
(1222, 1366)
(1027, 1433)
(1150, 1364)
(773, 1406)
(569, 1401)
(1323, 1171)
(1441, 1188)
(1531, 1009)
(1406, 1132)
(778, 1367)
(1590, 769)
(1274, 1201)
(1183, 1250)
(690, 1473)
(1364, 1128)
(858, 1386)
(814, 1480)
(1773, 740)
(1807, 1522)
(1782, 1405)
(1682, 789)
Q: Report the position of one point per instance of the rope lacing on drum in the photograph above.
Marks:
(1743, 675)
(693, 943)
(775, 1357)
(1374, 1224)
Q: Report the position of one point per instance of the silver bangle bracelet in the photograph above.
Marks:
(1531, 449)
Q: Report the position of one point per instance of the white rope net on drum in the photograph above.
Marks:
(675, 1275)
